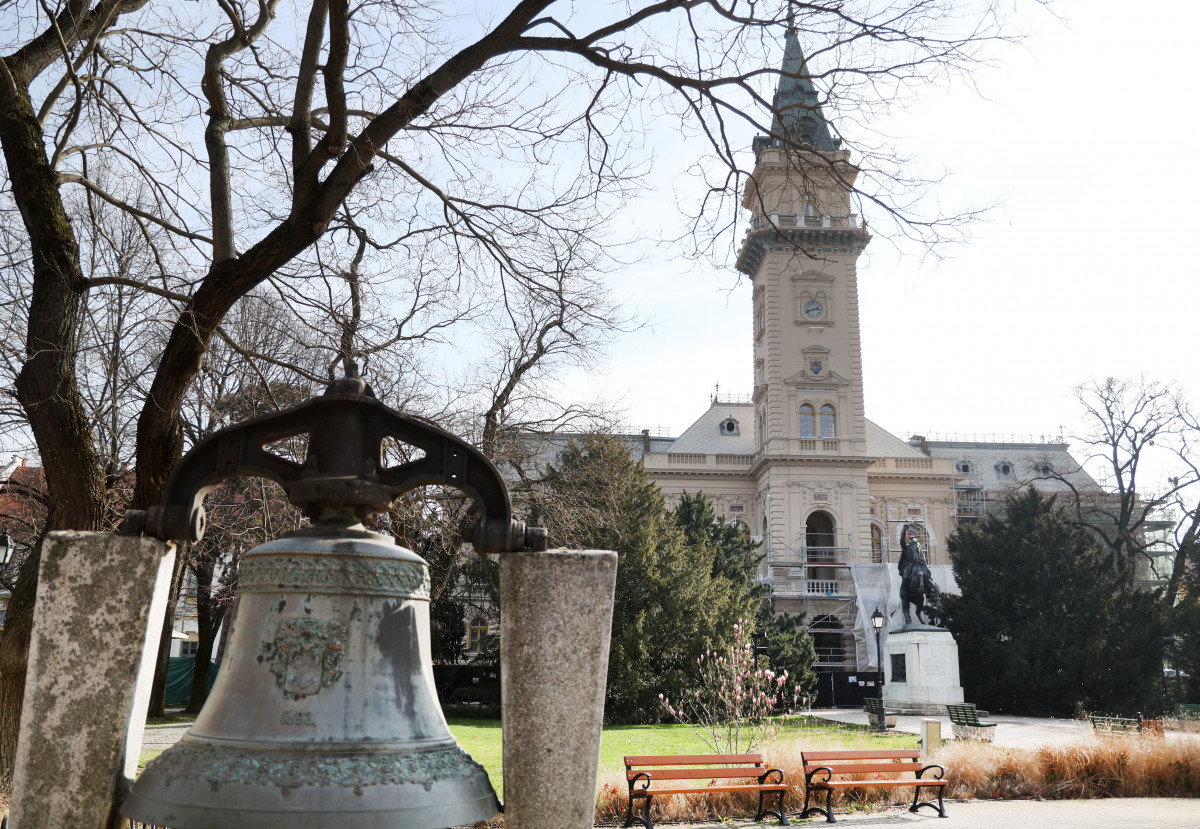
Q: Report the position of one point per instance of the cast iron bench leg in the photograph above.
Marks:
(783, 821)
(631, 817)
(827, 811)
(939, 807)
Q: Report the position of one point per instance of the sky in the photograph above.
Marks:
(1084, 137)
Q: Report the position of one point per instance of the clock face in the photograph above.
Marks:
(813, 309)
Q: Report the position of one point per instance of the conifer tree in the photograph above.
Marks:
(1045, 624)
(735, 555)
(670, 606)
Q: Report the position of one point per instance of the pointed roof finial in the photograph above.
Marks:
(791, 16)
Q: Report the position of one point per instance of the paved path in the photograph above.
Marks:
(1011, 732)
(1123, 813)
(163, 735)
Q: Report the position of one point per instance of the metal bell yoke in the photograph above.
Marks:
(324, 712)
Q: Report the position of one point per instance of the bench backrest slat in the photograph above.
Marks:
(963, 714)
(691, 759)
(699, 774)
(880, 761)
(881, 754)
(863, 768)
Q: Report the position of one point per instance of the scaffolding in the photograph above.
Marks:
(816, 580)
(900, 514)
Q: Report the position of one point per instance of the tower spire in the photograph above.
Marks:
(797, 117)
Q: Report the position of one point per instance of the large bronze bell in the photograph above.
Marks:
(324, 713)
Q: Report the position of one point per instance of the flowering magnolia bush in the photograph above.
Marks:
(736, 706)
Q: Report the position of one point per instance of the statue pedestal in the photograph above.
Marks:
(921, 670)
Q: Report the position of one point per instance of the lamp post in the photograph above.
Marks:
(760, 646)
(877, 623)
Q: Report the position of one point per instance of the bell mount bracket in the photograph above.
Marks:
(344, 468)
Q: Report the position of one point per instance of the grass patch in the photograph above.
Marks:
(482, 739)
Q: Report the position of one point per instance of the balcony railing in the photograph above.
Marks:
(810, 556)
(700, 459)
(783, 220)
(733, 460)
(831, 656)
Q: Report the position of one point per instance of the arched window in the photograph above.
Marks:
(808, 421)
(820, 536)
(876, 544)
(828, 422)
(477, 636)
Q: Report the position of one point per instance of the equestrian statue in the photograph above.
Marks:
(916, 583)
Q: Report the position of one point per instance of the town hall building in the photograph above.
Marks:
(799, 464)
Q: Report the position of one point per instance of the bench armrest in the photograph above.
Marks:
(763, 778)
(644, 777)
(808, 776)
(941, 771)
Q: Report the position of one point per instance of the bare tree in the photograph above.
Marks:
(1142, 438)
(234, 139)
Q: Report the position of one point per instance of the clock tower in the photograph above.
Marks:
(800, 254)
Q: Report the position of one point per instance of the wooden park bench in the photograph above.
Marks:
(1114, 726)
(876, 715)
(964, 719)
(829, 771)
(644, 774)
(1126, 726)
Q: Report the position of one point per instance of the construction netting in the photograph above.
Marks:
(878, 586)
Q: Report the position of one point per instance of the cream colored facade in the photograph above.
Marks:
(799, 463)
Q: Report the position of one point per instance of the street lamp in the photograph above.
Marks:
(877, 623)
(760, 646)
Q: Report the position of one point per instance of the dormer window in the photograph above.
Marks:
(963, 467)
(1005, 470)
(729, 426)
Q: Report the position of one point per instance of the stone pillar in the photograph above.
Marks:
(555, 622)
(100, 605)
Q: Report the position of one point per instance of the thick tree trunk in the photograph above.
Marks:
(46, 386)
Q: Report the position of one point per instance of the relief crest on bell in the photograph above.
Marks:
(306, 654)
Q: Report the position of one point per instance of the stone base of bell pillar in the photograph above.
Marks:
(555, 621)
(921, 671)
(100, 607)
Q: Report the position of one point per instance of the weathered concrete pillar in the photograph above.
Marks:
(100, 605)
(555, 621)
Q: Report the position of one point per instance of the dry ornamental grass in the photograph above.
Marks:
(1130, 766)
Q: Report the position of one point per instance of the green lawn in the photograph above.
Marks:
(482, 739)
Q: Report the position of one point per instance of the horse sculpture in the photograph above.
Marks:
(916, 582)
